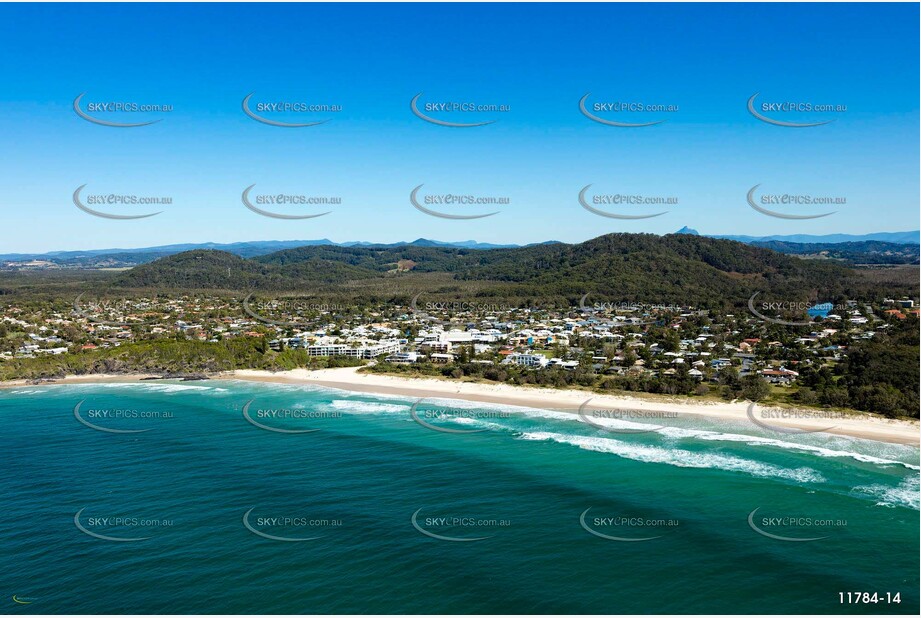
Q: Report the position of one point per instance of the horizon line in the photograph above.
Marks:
(329, 242)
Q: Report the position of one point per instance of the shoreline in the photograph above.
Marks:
(858, 425)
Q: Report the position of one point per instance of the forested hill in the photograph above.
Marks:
(641, 267)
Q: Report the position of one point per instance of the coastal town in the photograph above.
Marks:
(623, 339)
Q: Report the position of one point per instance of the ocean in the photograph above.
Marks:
(244, 497)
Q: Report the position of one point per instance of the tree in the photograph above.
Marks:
(262, 346)
(629, 357)
(754, 387)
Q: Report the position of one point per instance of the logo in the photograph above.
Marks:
(783, 107)
(285, 199)
(614, 307)
(613, 200)
(114, 107)
(277, 521)
(448, 414)
(779, 521)
(120, 307)
(110, 199)
(413, 304)
(452, 107)
(751, 307)
(288, 308)
(620, 521)
(276, 123)
(785, 199)
(786, 414)
(451, 200)
(108, 414)
(616, 414)
(639, 107)
(461, 305)
(294, 413)
(106, 521)
(452, 522)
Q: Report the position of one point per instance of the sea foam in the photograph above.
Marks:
(677, 457)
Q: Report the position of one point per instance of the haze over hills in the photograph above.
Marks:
(96, 258)
(860, 252)
(243, 249)
(911, 237)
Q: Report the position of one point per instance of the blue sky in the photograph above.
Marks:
(372, 59)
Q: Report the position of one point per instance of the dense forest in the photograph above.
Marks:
(679, 269)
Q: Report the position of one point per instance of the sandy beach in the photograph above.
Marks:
(640, 409)
(348, 378)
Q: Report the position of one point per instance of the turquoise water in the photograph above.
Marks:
(820, 310)
(175, 493)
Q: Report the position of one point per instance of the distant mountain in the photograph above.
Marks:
(101, 258)
(127, 258)
(243, 249)
(424, 242)
(911, 238)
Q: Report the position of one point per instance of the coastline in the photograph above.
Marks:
(864, 426)
(88, 378)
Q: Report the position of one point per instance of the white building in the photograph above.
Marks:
(526, 360)
(366, 349)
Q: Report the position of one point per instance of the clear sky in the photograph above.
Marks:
(539, 60)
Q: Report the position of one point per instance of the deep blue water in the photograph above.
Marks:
(176, 495)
